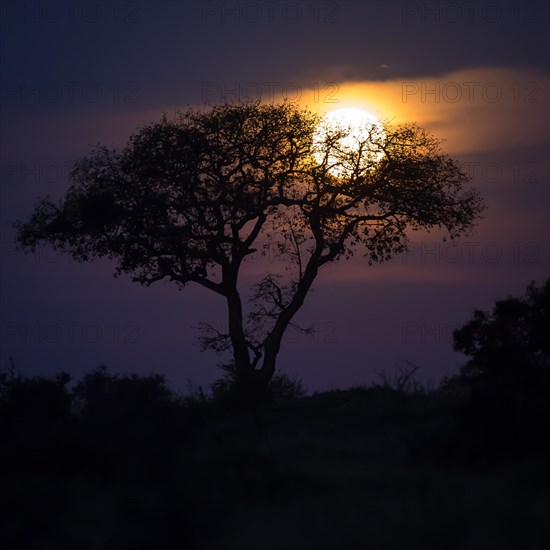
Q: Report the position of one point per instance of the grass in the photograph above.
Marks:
(368, 468)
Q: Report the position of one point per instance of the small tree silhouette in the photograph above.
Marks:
(186, 200)
(512, 340)
(507, 375)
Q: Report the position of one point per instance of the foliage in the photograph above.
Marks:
(402, 380)
(98, 479)
(512, 340)
(102, 393)
(507, 376)
(229, 389)
(189, 199)
(35, 399)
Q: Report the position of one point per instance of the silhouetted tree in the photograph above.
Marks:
(189, 199)
(510, 340)
(508, 372)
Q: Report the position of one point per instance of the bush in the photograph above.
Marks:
(101, 393)
(36, 399)
(229, 389)
(507, 378)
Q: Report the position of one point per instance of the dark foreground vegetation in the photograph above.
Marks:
(121, 462)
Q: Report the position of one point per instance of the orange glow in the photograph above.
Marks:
(474, 110)
(363, 131)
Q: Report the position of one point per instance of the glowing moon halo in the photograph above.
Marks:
(359, 128)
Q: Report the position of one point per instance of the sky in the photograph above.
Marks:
(74, 74)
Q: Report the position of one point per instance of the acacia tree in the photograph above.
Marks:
(187, 199)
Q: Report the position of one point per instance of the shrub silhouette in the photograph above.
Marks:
(36, 399)
(507, 377)
(99, 465)
(101, 393)
(35, 422)
(123, 470)
(230, 389)
(128, 420)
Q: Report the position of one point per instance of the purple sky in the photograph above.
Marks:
(75, 74)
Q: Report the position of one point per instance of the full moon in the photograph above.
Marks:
(356, 148)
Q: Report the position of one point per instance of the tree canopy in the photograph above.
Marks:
(507, 375)
(511, 341)
(188, 199)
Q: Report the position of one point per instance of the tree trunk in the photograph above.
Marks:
(254, 382)
(236, 333)
(273, 341)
